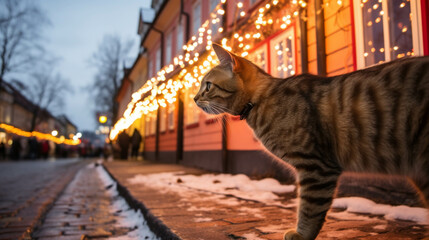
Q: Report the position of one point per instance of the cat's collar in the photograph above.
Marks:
(246, 110)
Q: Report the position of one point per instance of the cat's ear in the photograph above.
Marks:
(226, 58)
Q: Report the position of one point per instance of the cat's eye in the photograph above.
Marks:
(208, 85)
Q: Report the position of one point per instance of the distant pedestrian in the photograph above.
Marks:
(2, 151)
(124, 143)
(45, 149)
(135, 143)
(15, 149)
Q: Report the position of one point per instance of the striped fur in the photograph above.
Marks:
(372, 120)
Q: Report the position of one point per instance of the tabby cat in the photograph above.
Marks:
(372, 120)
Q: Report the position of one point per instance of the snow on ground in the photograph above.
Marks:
(239, 185)
(363, 205)
(264, 191)
(129, 218)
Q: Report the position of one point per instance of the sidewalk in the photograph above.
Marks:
(176, 210)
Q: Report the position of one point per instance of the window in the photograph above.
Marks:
(192, 110)
(171, 119)
(147, 126)
(152, 123)
(259, 57)
(162, 119)
(217, 22)
(150, 67)
(196, 18)
(283, 54)
(179, 41)
(158, 60)
(168, 49)
(386, 30)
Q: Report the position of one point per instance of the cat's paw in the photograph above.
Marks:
(291, 234)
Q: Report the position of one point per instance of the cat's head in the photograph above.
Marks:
(229, 86)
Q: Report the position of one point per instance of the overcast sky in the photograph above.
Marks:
(77, 28)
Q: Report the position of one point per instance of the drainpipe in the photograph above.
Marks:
(320, 37)
(180, 107)
(304, 39)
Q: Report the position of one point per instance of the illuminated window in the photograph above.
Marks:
(192, 110)
(259, 57)
(147, 127)
(386, 30)
(283, 54)
(162, 119)
(171, 119)
(196, 18)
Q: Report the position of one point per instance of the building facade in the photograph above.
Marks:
(284, 38)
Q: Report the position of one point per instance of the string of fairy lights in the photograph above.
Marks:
(39, 135)
(194, 64)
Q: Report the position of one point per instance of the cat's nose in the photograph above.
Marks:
(196, 98)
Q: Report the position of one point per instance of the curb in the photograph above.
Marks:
(155, 225)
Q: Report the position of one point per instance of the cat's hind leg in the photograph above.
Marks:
(317, 186)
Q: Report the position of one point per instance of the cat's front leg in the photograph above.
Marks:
(317, 187)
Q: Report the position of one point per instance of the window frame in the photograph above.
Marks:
(416, 25)
(290, 31)
(192, 111)
(169, 48)
(171, 118)
(162, 119)
(179, 38)
(263, 48)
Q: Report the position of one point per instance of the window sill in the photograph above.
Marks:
(192, 125)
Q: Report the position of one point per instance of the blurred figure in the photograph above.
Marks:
(2, 151)
(33, 148)
(124, 143)
(45, 149)
(135, 143)
(15, 150)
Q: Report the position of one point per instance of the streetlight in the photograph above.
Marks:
(102, 119)
(54, 133)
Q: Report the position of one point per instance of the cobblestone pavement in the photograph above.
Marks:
(28, 189)
(83, 211)
(193, 214)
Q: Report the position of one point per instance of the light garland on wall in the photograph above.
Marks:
(194, 66)
(39, 135)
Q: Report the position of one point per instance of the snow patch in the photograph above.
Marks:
(363, 205)
(252, 236)
(203, 219)
(239, 185)
(129, 218)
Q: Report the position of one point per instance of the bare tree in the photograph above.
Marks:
(20, 35)
(108, 58)
(47, 90)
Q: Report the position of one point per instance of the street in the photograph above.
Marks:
(66, 199)
(27, 189)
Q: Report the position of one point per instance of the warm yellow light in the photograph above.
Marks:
(102, 119)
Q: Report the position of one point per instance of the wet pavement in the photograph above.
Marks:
(28, 189)
(83, 211)
(195, 214)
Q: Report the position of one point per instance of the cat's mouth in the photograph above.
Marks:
(205, 106)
